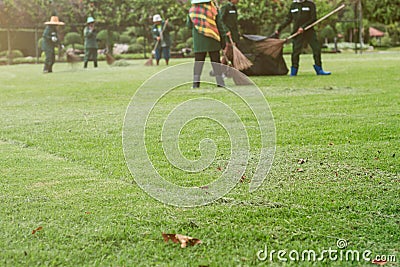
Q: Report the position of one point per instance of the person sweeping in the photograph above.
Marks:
(303, 13)
(208, 37)
(90, 42)
(229, 15)
(160, 31)
(50, 42)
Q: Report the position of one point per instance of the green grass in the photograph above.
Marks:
(63, 168)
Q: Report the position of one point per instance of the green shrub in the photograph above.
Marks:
(386, 41)
(135, 48)
(327, 33)
(183, 34)
(180, 46)
(189, 42)
(104, 37)
(394, 33)
(73, 38)
(24, 60)
(14, 54)
(77, 47)
(140, 40)
(40, 41)
(125, 39)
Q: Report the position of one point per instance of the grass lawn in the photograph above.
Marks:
(335, 176)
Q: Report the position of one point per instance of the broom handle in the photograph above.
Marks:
(317, 21)
(230, 39)
(165, 25)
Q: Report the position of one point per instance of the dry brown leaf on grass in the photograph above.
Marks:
(182, 239)
(379, 262)
(36, 230)
(301, 161)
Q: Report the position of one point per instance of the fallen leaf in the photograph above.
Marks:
(36, 230)
(300, 170)
(301, 161)
(219, 169)
(168, 237)
(379, 262)
(183, 239)
(87, 212)
(187, 240)
(205, 187)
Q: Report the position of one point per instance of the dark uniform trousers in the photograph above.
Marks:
(308, 37)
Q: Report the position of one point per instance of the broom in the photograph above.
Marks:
(238, 77)
(240, 61)
(273, 47)
(72, 58)
(149, 62)
(110, 59)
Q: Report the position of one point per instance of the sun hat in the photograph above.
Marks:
(199, 1)
(157, 18)
(54, 21)
(90, 20)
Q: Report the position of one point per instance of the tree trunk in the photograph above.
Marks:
(9, 47)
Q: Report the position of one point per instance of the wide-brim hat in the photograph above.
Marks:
(54, 21)
(90, 20)
(157, 18)
(199, 1)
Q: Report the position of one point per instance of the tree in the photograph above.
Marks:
(72, 38)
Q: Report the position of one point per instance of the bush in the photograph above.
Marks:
(189, 42)
(103, 37)
(125, 39)
(77, 47)
(140, 40)
(40, 41)
(135, 48)
(386, 41)
(72, 38)
(24, 60)
(180, 46)
(14, 54)
(394, 33)
(327, 33)
(183, 34)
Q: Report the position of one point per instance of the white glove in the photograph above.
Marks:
(54, 39)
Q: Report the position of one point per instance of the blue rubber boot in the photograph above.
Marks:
(293, 71)
(320, 71)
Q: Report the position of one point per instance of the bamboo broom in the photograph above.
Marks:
(149, 62)
(240, 61)
(109, 58)
(273, 47)
(238, 77)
